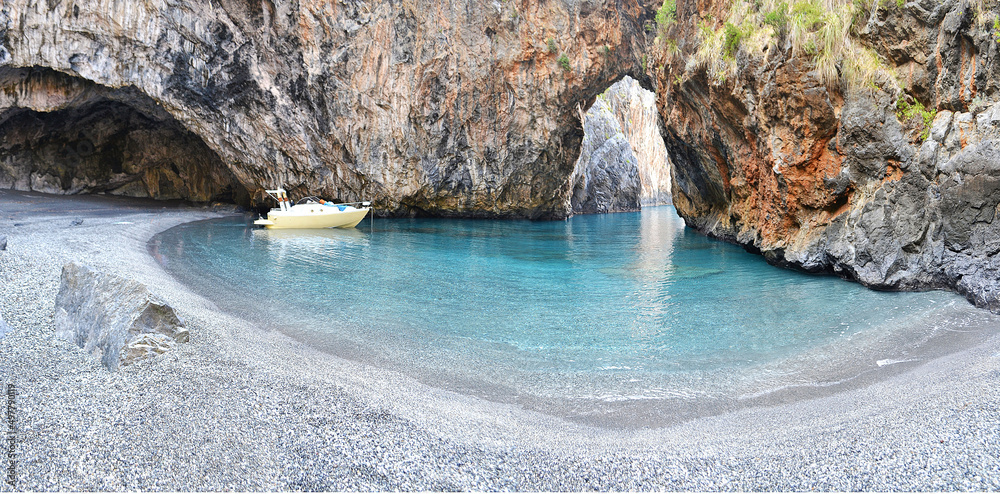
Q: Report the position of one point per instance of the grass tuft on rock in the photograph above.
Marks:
(915, 112)
(564, 62)
(819, 30)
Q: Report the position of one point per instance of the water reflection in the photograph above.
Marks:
(322, 245)
(655, 275)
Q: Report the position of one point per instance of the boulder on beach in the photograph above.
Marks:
(115, 318)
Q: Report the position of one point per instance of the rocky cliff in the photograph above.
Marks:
(636, 111)
(894, 182)
(465, 108)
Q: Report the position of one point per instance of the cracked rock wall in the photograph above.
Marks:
(444, 108)
(838, 181)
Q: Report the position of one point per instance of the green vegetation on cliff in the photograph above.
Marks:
(667, 14)
(564, 62)
(819, 30)
(822, 31)
(666, 17)
(909, 112)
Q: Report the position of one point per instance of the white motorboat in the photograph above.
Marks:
(312, 212)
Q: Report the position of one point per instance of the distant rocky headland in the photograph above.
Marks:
(858, 138)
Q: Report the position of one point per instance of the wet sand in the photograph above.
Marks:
(244, 407)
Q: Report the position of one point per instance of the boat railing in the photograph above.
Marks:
(284, 202)
(316, 200)
(281, 196)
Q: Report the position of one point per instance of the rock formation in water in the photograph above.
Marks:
(637, 114)
(114, 318)
(849, 180)
(424, 107)
(606, 176)
(623, 163)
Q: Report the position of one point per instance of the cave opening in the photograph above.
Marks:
(623, 163)
(61, 134)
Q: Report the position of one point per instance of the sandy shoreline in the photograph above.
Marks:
(243, 407)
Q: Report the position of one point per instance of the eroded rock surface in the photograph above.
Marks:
(831, 179)
(635, 109)
(606, 178)
(113, 318)
(421, 106)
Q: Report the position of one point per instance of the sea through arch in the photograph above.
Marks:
(623, 163)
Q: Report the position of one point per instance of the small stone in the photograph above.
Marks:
(3, 242)
(77, 222)
(4, 328)
(941, 126)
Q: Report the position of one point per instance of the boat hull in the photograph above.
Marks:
(318, 217)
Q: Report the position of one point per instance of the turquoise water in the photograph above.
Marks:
(625, 319)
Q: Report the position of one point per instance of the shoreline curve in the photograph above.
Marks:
(245, 407)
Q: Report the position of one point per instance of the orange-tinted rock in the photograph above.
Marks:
(826, 179)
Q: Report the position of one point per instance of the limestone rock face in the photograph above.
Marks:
(606, 178)
(420, 106)
(836, 180)
(635, 109)
(623, 163)
(114, 318)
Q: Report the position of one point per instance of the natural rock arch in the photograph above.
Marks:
(471, 109)
(423, 107)
(623, 163)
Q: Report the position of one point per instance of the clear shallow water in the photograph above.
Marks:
(624, 319)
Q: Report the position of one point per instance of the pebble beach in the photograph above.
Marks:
(244, 407)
